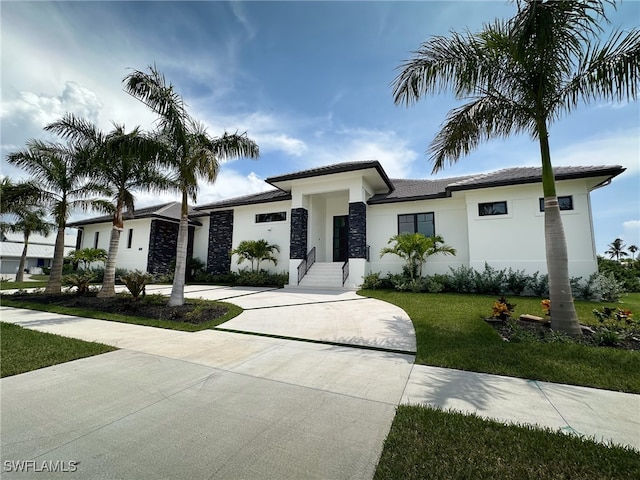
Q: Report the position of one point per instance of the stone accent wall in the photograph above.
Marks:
(299, 232)
(163, 241)
(220, 242)
(357, 230)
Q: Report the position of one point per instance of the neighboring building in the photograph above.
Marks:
(39, 251)
(342, 216)
(148, 241)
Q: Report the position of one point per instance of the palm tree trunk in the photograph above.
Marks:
(23, 259)
(177, 291)
(109, 281)
(55, 279)
(563, 311)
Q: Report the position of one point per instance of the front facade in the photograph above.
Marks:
(39, 251)
(331, 223)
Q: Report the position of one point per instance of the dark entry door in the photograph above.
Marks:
(340, 238)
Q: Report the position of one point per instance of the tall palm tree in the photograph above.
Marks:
(633, 249)
(617, 249)
(519, 76)
(194, 154)
(59, 172)
(28, 220)
(122, 162)
(257, 251)
(415, 249)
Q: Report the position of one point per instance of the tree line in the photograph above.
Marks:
(91, 169)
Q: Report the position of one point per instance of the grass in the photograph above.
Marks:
(429, 443)
(232, 311)
(23, 350)
(450, 333)
(11, 285)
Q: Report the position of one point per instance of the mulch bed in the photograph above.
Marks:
(519, 330)
(154, 306)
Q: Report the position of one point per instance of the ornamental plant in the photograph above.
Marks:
(546, 306)
(502, 309)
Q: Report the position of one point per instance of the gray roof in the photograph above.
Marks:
(335, 168)
(254, 198)
(167, 211)
(408, 190)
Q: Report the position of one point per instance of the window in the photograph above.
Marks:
(566, 203)
(130, 238)
(96, 236)
(271, 217)
(492, 208)
(417, 223)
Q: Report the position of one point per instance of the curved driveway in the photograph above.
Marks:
(216, 403)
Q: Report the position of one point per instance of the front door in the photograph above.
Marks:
(340, 238)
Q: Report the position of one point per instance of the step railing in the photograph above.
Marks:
(345, 272)
(306, 264)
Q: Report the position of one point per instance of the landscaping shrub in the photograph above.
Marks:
(539, 284)
(517, 281)
(135, 282)
(490, 281)
(461, 280)
(372, 281)
(80, 280)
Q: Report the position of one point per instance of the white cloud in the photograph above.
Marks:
(621, 148)
(385, 146)
(631, 232)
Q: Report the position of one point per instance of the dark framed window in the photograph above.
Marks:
(423, 223)
(130, 238)
(271, 217)
(565, 203)
(492, 208)
(96, 237)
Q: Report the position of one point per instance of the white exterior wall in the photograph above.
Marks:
(134, 258)
(278, 233)
(516, 240)
(450, 223)
(201, 239)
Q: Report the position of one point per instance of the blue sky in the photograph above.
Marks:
(309, 81)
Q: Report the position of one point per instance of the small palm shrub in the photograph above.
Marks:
(135, 282)
(81, 281)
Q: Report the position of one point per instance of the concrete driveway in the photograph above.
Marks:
(215, 404)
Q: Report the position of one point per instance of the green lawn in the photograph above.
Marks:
(21, 285)
(23, 350)
(450, 333)
(428, 443)
(232, 311)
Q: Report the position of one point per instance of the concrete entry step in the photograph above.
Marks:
(323, 275)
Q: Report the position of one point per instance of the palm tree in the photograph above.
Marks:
(257, 251)
(617, 249)
(633, 249)
(15, 196)
(122, 162)
(59, 172)
(519, 76)
(28, 220)
(415, 249)
(194, 154)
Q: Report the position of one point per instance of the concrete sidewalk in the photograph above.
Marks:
(223, 404)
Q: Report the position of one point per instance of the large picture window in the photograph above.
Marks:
(565, 203)
(271, 217)
(417, 223)
(492, 208)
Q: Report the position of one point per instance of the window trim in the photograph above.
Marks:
(415, 221)
(481, 204)
(570, 197)
(267, 219)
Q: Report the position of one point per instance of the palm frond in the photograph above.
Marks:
(473, 123)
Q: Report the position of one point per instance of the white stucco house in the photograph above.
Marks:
(39, 251)
(331, 222)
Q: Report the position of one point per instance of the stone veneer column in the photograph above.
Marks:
(163, 240)
(299, 231)
(220, 242)
(357, 230)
